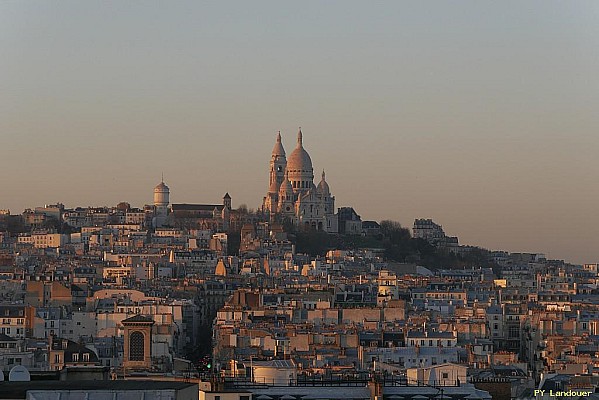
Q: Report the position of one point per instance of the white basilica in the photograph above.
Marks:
(292, 195)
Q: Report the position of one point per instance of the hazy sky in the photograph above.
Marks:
(481, 115)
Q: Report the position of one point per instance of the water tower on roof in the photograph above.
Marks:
(161, 202)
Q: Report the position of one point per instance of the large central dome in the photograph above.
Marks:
(299, 160)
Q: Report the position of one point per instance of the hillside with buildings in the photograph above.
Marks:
(283, 304)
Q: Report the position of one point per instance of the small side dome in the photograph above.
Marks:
(323, 186)
(123, 206)
(286, 185)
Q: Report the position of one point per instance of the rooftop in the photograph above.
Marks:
(18, 390)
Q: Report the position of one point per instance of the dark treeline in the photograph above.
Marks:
(398, 246)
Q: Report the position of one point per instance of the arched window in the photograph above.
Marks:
(136, 346)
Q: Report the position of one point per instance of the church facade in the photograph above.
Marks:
(292, 195)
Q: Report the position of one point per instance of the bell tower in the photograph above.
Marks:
(278, 163)
(278, 166)
(138, 343)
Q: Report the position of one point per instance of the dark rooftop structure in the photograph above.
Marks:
(18, 390)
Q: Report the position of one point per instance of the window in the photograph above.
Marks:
(445, 375)
(85, 357)
(75, 357)
(514, 332)
(136, 346)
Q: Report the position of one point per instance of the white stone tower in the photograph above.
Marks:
(161, 202)
(278, 164)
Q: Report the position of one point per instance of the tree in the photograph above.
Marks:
(394, 231)
(288, 225)
(51, 223)
(313, 242)
(242, 209)
(233, 242)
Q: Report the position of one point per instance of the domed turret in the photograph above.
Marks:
(286, 196)
(286, 188)
(323, 186)
(278, 150)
